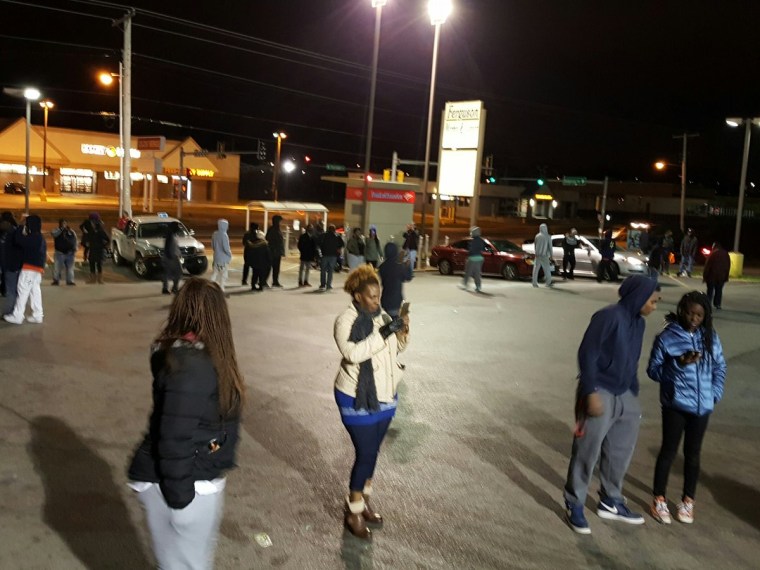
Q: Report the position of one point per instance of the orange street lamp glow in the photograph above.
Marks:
(659, 165)
(105, 78)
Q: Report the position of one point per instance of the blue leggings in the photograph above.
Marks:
(366, 440)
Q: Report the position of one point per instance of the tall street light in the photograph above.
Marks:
(378, 5)
(46, 105)
(438, 10)
(276, 169)
(733, 122)
(30, 94)
(106, 78)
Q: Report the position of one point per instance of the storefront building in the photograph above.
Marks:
(88, 163)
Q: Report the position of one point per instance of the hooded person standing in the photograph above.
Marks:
(259, 258)
(10, 261)
(249, 236)
(543, 249)
(97, 243)
(474, 263)
(372, 249)
(65, 240)
(33, 255)
(172, 259)
(394, 271)
(220, 243)
(715, 274)
(569, 243)
(276, 245)
(606, 268)
(307, 247)
(608, 412)
(688, 251)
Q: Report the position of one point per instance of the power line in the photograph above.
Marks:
(62, 10)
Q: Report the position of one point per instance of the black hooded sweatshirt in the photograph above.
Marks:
(33, 246)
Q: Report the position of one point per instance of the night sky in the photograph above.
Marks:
(581, 88)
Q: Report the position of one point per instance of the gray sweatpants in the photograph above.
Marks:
(183, 538)
(612, 435)
(472, 268)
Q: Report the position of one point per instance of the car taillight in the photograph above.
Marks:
(706, 251)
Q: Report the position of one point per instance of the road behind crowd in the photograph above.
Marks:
(470, 475)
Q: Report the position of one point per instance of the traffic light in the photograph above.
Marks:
(540, 181)
(307, 159)
(262, 151)
(492, 179)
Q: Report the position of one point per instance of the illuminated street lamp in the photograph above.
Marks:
(661, 164)
(748, 122)
(438, 10)
(30, 94)
(276, 170)
(46, 105)
(378, 5)
(107, 78)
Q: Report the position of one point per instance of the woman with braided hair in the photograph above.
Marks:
(687, 360)
(369, 341)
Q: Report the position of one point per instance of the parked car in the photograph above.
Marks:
(587, 256)
(501, 258)
(15, 188)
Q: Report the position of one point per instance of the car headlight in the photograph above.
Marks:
(152, 251)
(634, 261)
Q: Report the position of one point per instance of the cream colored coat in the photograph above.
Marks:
(385, 366)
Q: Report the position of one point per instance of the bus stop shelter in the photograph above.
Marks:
(299, 208)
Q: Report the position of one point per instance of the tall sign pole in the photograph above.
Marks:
(126, 125)
(685, 137)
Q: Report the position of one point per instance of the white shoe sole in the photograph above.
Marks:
(577, 529)
(615, 517)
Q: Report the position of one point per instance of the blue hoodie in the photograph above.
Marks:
(608, 357)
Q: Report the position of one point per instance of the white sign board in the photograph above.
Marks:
(461, 124)
(458, 170)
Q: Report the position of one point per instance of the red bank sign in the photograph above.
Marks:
(380, 195)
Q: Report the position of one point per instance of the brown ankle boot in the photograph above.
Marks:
(355, 521)
(369, 515)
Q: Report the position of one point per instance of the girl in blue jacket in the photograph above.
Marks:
(687, 360)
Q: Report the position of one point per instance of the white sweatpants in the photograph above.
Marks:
(28, 288)
(220, 274)
(183, 539)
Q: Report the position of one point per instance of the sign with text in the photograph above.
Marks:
(461, 124)
(151, 143)
(380, 195)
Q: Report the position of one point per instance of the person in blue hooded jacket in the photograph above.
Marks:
(687, 360)
(607, 407)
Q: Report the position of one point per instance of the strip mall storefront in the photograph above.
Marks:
(88, 163)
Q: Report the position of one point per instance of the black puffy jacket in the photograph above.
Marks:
(185, 419)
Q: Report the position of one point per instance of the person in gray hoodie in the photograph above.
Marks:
(220, 243)
(543, 248)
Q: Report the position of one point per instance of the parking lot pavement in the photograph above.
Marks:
(470, 475)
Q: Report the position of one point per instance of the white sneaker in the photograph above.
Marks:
(10, 319)
(685, 511)
(659, 510)
(35, 320)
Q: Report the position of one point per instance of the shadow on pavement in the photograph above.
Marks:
(82, 501)
(742, 500)
(356, 553)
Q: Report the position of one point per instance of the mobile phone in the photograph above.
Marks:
(404, 309)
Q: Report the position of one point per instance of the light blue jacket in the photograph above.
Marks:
(694, 388)
(220, 243)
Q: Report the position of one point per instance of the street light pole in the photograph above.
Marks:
(439, 11)
(276, 169)
(378, 5)
(30, 94)
(46, 105)
(685, 137)
(742, 183)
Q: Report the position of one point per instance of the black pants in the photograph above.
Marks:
(675, 423)
(366, 440)
(715, 293)
(276, 269)
(568, 260)
(246, 267)
(606, 270)
(95, 265)
(173, 273)
(258, 278)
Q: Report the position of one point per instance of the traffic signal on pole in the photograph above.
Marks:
(307, 159)
(262, 151)
(540, 181)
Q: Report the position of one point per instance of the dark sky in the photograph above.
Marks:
(581, 87)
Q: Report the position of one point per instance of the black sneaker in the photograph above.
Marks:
(54, 283)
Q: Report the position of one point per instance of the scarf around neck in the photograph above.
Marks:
(366, 391)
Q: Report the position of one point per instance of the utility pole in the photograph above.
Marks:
(685, 137)
(126, 85)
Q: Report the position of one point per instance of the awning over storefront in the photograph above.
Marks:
(266, 207)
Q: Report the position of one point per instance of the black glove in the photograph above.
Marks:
(392, 327)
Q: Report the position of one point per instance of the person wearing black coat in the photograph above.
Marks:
(308, 249)
(198, 396)
(394, 271)
(248, 236)
(172, 259)
(276, 245)
(33, 248)
(10, 261)
(258, 256)
(97, 244)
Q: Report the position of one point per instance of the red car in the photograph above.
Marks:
(502, 258)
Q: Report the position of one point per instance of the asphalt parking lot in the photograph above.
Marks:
(470, 475)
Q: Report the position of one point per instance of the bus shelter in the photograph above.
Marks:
(300, 208)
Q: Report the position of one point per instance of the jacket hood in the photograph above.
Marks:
(253, 226)
(34, 223)
(222, 225)
(543, 229)
(475, 231)
(276, 220)
(634, 292)
(8, 217)
(391, 250)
